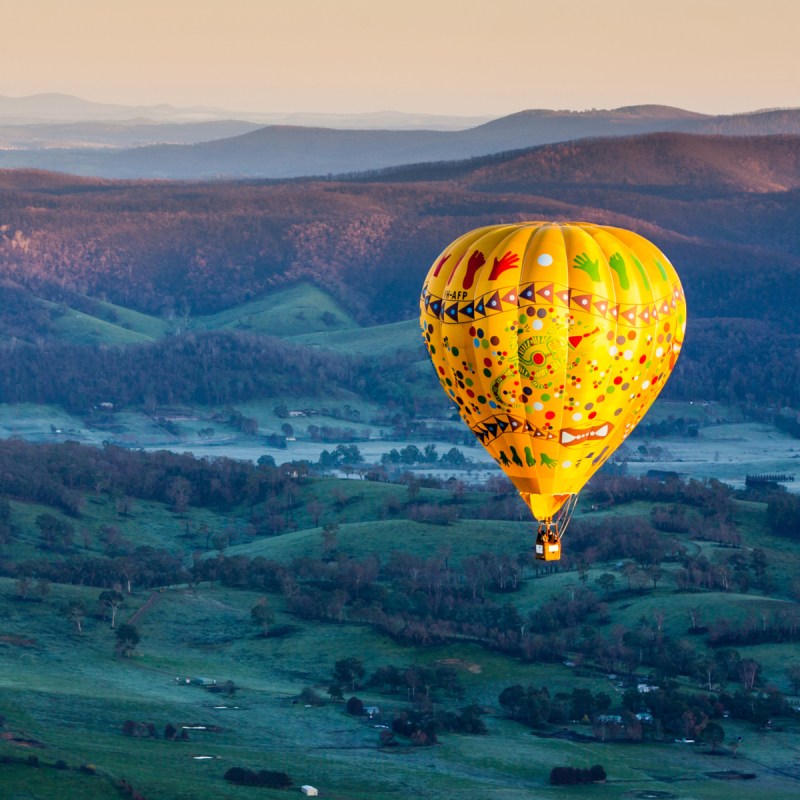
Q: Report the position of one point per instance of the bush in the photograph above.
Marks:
(311, 698)
(139, 730)
(355, 707)
(571, 776)
(266, 777)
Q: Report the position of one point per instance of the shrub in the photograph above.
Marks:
(355, 707)
(265, 777)
(140, 730)
(571, 776)
(310, 697)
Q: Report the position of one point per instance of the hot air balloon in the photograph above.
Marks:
(553, 339)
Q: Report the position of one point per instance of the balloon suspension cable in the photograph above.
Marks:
(564, 515)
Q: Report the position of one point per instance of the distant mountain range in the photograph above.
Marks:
(63, 108)
(214, 149)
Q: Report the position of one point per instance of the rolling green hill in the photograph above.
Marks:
(303, 312)
(77, 327)
(297, 310)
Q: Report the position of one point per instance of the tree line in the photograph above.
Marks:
(207, 368)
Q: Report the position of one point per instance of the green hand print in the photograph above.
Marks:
(591, 268)
(548, 462)
(642, 272)
(530, 459)
(617, 263)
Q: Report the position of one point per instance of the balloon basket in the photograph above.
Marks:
(548, 547)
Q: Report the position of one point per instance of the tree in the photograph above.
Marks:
(55, 533)
(454, 458)
(335, 692)
(314, 509)
(43, 588)
(348, 670)
(75, 612)
(748, 673)
(127, 639)
(111, 599)
(23, 586)
(655, 573)
(628, 570)
(430, 456)
(713, 734)
(793, 672)
(329, 538)
(179, 492)
(606, 582)
(262, 614)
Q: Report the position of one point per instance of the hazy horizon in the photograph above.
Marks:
(434, 57)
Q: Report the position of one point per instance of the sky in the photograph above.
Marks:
(464, 57)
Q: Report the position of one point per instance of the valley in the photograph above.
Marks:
(219, 428)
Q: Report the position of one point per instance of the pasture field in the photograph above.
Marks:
(68, 693)
(728, 452)
(295, 311)
(65, 695)
(378, 340)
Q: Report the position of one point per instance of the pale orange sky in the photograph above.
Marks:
(436, 56)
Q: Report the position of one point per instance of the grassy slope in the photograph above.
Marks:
(206, 631)
(287, 312)
(377, 340)
(294, 312)
(113, 325)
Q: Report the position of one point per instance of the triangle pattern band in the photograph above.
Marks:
(490, 429)
(548, 294)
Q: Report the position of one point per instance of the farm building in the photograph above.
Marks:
(309, 791)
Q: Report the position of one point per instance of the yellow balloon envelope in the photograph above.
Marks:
(553, 339)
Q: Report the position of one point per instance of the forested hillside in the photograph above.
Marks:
(726, 210)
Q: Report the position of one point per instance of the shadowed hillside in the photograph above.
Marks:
(368, 242)
(725, 210)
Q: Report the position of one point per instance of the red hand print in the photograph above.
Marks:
(455, 268)
(476, 261)
(508, 261)
(440, 265)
